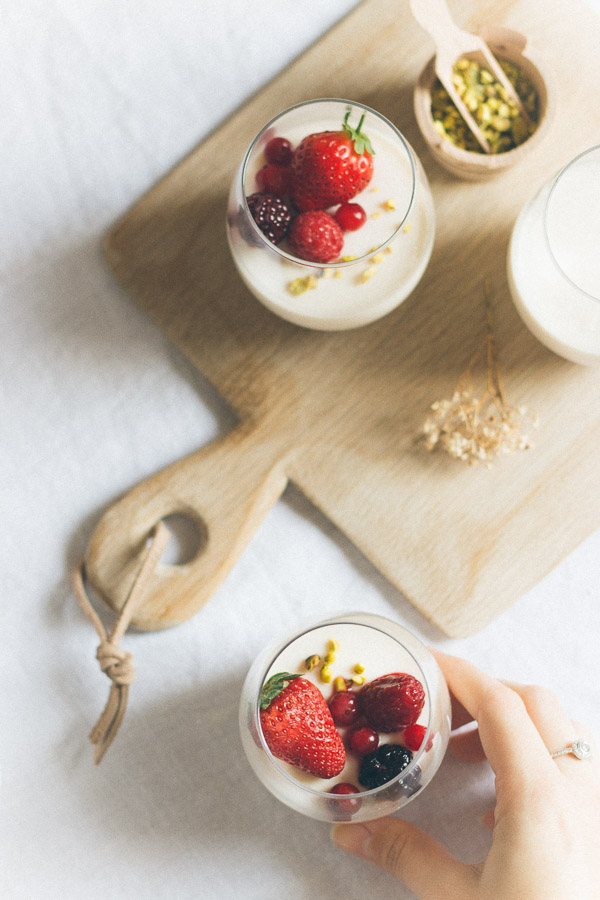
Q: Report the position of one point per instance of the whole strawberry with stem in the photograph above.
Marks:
(392, 702)
(331, 167)
(297, 726)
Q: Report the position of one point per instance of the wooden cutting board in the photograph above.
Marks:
(338, 414)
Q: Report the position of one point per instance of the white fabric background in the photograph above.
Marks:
(98, 98)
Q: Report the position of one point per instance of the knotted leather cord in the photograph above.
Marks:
(116, 663)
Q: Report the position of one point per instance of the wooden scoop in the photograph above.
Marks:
(451, 44)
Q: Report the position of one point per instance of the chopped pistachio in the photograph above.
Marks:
(368, 273)
(493, 108)
(301, 285)
(326, 674)
(311, 661)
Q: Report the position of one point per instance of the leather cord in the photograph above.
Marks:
(116, 663)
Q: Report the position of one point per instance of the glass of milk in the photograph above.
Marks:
(379, 646)
(554, 261)
(380, 264)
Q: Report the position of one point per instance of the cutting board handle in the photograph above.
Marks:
(226, 489)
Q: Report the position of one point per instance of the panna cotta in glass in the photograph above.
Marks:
(554, 261)
(347, 720)
(330, 217)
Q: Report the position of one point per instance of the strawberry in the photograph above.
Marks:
(297, 726)
(316, 236)
(392, 702)
(331, 167)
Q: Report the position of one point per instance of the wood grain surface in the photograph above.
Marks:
(338, 414)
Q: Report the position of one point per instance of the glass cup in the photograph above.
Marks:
(553, 261)
(380, 646)
(379, 264)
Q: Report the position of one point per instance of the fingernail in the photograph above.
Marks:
(354, 839)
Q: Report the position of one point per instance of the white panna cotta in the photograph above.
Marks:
(554, 261)
(380, 264)
(366, 646)
(374, 652)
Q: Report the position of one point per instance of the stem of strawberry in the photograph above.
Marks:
(274, 686)
(361, 141)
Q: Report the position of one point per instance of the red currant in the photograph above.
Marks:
(343, 787)
(344, 708)
(350, 216)
(279, 150)
(346, 808)
(274, 179)
(363, 740)
(414, 736)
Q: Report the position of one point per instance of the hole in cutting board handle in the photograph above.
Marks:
(189, 536)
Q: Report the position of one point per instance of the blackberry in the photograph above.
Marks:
(412, 783)
(383, 764)
(271, 214)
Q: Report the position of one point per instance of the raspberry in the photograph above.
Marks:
(350, 216)
(316, 236)
(392, 702)
(271, 214)
(279, 150)
(343, 708)
(274, 179)
(414, 736)
(383, 764)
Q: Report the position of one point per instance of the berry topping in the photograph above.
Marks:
(271, 214)
(392, 702)
(331, 167)
(414, 736)
(350, 216)
(344, 708)
(316, 236)
(297, 726)
(274, 179)
(363, 740)
(279, 150)
(383, 764)
(346, 808)
(344, 787)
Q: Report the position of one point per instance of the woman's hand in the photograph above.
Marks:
(546, 823)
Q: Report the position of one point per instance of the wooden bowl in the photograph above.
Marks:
(505, 44)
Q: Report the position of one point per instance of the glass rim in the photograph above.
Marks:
(343, 263)
(557, 180)
(315, 792)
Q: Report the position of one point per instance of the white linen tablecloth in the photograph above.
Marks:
(99, 98)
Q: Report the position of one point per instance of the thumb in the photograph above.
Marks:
(411, 855)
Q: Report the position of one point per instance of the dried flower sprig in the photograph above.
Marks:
(477, 429)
